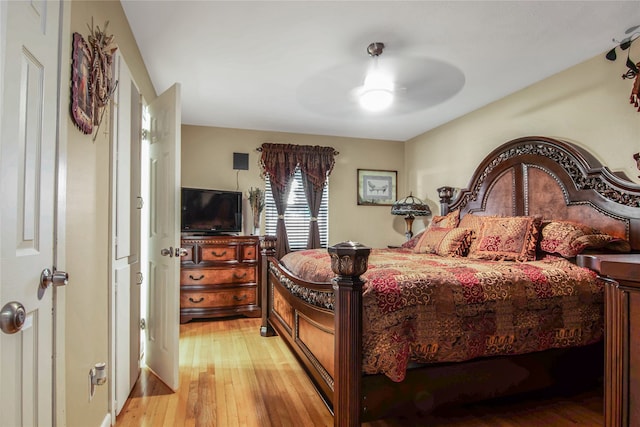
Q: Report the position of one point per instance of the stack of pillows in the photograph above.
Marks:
(516, 238)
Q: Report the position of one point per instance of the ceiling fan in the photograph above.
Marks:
(382, 85)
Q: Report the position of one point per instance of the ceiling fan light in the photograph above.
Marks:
(376, 99)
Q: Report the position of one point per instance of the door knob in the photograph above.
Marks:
(167, 252)
(12, 317)
(57, 278)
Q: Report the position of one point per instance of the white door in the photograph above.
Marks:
(163, 315)
(30, 79)
(125, 261)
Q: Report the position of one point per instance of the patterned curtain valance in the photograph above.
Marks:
(281, 161)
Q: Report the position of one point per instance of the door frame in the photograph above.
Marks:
(60, 212)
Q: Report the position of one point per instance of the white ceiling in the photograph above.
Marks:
(289, 65)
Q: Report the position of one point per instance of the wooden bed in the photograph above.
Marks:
(531, 176)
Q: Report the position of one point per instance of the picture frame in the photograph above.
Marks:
(81, 100)
(377, 187)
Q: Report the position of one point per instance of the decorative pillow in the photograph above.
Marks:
(568, 239)
(473, 223)
(449, 220)
(507, 238)
(444, 241)
(411, 243)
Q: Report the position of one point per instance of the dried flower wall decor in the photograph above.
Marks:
(81, 104)
(92, 83)
(102, 84)
(256, 201)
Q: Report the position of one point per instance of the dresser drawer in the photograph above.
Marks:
(218, 253)
(217, 276)
(249, 253)
(189, 255)
(228, 298)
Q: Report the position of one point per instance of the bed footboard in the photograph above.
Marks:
(321, 323)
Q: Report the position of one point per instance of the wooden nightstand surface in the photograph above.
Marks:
(617, 266)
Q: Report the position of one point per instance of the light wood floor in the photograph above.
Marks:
(231, 376)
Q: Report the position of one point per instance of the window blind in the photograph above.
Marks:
(297, 215)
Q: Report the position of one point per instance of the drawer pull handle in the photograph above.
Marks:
(196, 302)
(237, 298)
(218, 255)
(240, 276)
(196, 278)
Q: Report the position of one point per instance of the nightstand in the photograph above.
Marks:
(622, 335)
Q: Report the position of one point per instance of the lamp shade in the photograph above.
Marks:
(410, 206)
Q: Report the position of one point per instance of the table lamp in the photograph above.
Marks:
(410, 207)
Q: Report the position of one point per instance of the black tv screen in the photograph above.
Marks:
(211, 211)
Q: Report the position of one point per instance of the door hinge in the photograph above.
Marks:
(143, 324)
(140, 202)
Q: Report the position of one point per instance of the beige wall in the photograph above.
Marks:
(587, 104)
(87, 228)
(207, 161)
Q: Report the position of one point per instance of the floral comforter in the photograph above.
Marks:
(427, 309)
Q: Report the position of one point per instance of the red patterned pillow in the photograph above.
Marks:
(507, 238)
(444, 241)
(449, 220)
(411, 243)
(568, 239)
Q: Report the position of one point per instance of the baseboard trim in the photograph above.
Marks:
(106, 422)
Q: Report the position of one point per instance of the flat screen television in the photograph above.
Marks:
(211, 211)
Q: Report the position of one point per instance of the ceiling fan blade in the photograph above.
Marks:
(420, 83)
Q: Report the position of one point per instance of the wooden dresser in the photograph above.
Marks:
(622, 335)
(219, 277)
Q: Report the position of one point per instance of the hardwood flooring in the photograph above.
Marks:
(231, 376)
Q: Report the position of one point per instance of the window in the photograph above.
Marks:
(297, 215)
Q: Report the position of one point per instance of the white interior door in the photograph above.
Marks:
(163, 301)
(30, 34)
(135, 255)
(125, 226)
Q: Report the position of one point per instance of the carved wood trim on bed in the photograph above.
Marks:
(526, 176)
(552, 178)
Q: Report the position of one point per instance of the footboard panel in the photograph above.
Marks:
(306, 328)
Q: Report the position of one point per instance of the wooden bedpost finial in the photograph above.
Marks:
(268, 243)
(445, 194)
(349, 258)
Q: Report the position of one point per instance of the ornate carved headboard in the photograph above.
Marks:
(552, 178)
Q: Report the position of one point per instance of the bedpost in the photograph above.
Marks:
(267, 249)
(445, 194)
(348, 261)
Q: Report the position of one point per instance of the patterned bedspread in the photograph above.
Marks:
(427, 309)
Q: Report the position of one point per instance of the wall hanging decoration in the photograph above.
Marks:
(81, 103)
(633, 68)
(102, 84)
(92, 83)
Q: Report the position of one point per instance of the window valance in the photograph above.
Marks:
(280, 162)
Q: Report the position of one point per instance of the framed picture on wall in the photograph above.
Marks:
(377, 187)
